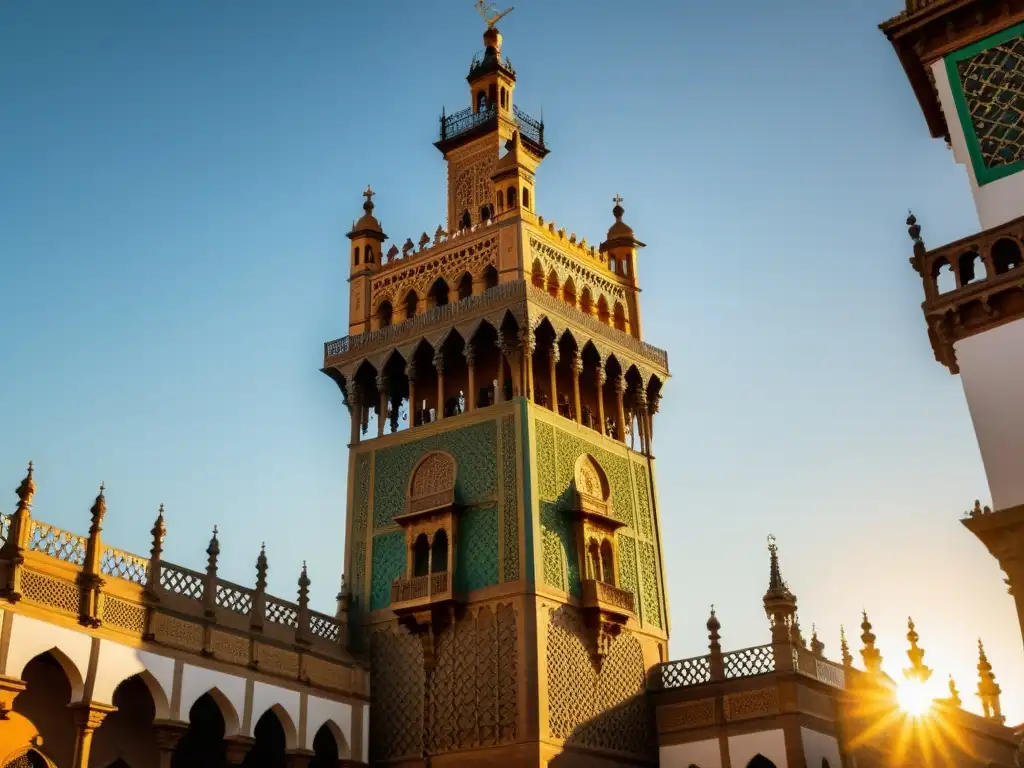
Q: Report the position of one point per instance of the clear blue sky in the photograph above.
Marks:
(176, 179)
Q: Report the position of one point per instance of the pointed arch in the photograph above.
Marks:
(603, 313)
(291, 733)
(490, 277)
(760, 761)
(537, 274)
(410, 303)
(619, 315)
(329, 743)
(232, 723)
(587, 301)
(74, 675)
(161, 701)
(439, 292)
(465, 286)
(569, 291)
(552, 283)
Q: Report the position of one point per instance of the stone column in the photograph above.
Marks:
(499, 389)
(620, 409)
(469, 354)
(602, 377)
(88, 717)
(10, 687)
(439, 367)
(527, 345)
(552, 365)
(641, 420)
(577, 369)
(354, 408)
(382, 412)
(168, 734)
(410, 371)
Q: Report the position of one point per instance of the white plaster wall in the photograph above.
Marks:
(266, 697)
(366, 734)
(818, 747)
(117, 663)
(30, 637)
(320, 711)
(998, 201)
(195, 681)
(992, 372)
(704, 754)
(771, 744)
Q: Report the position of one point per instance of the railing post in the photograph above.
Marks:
(90, 583)
(12, 553)
(210, 583)
(259, 597)
(302, 618)
(716, 660)
(158, 532)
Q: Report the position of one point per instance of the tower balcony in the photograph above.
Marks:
(617, 604)
(469, 123)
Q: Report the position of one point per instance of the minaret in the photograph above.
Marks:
(988, 690)
(365, 260)
(503, 538)
(965, 62)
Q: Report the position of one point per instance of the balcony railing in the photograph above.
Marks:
(598, 594)
(420, 590)
(466, 121)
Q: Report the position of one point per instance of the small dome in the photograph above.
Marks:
(619, 229)
(367, 222)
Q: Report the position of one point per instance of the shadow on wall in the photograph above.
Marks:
(627, 728)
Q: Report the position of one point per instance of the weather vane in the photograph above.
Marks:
(491, 16)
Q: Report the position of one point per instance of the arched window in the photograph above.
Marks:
(760, 761)
(368, 254)
(326, 750)
(620, 317)
(945, 280)
(203, 742)
(552, 284)
(504, 99)
(439, 553)
(1005, 256)
(357, 256)
(492, 94)
(465, 286)
(613, 265)
(481, 101)
(569, 292)
(537, 274)
(971, 268)
(466, 221)
(421, 556)
(526, 198)
(490, 277)
(625, 267)
(586, 302)
(384, 313)
(607, 563)
(439, 293)
(594, 557)
(500, 197)
(268, 749)
(411, 300)
(602, 311)
(510, 197)
(486, 214)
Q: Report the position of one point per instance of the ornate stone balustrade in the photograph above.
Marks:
(352, 348)
(416, 592)
(682, 674)
(759, 660)
(51, 571)
(599, 594)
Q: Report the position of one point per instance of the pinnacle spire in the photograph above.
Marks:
(26, 490)
(780, 603)
(988, 690)
(99, 509)
(954, 694)
(870, 654)
(844, 646)
(917, 670)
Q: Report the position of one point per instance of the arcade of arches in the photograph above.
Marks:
(46, 729)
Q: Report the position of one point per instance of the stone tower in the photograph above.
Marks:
(503, 555)
(965, 61)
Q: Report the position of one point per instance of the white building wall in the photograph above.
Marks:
(31, 637)
(285, 702)
(704, 754)
(771, 744)
(998, 201)
(992, 371)
(818, 747)
(320, 711)
(195, 681)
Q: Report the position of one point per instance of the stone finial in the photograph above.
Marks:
(713, 627)
(98, 511)
(304, 586)
(844, 647)
(779, 602)
(917, 670)
(870, 654)
(439, 234)
(954, 694)
(392, 253)
(261, 568)
(988, 690)
(407, 247)
(424, 240)
(913, 228)
(158, 532)
(213, 552)
(817, 647)
(26, 490)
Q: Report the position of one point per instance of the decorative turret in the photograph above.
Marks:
(954, 694)
(779, 602)
(988, 690)
(872, 657)
(513, 178)
(367, 237)
(844, 648)
(917, 671)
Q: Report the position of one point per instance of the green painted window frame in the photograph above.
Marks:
(982, 173)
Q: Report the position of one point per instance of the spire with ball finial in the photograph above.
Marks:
(988, 690)
(917, 670)
(779, 603)
(844, 648)
(870, 654)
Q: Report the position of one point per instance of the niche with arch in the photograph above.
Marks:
(607, 608)
(429, 522)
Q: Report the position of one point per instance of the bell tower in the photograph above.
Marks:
(502, 549)
(965, 62)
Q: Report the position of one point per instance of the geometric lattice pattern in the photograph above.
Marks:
(124, 565)
(360, 502)
(569, 448)
(278, 612)
(559, 549)
(327, 629)
(388, 563)
(234, 599)
(54, 542)
(397, 680)
(181, 582)
(475, 450)
(681, 674)
(649, 579)
(477, 562)
(125, 615)
(5, 527)
(644, 512)
(993, 87)
(750, 661)
(627, 564)
(473, 699)
(600, 710)
(510, 508)
(55, 593)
